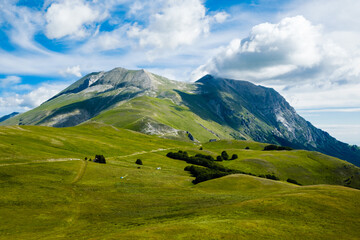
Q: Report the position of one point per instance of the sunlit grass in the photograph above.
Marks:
(118, 200)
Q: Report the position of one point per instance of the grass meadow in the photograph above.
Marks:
(48, 190)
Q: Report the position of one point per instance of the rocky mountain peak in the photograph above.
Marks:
(117, 78)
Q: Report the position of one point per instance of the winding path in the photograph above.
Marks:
(81, 172)
(143, 152)
(41, 161)
(78, 159)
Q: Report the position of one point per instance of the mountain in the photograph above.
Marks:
(210, 108)
(6, 117)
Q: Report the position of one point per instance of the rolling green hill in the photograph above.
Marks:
(49, 192)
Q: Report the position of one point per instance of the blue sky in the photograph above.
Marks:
(309, 51)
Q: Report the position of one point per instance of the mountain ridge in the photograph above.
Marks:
(6, 117)
(212, 107)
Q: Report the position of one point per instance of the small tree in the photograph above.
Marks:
(201, 148)
(247, 148)
(224, 155)
(139, 162)
(99, 159)
(270, 147)
(234, 156)
(219, 158)
(292, 181)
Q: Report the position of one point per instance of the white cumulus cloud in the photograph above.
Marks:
(11, 101)
(71, 18)
(40, 95)
(75, 70)
(221, 17)
(178, 22)
(104, 41)
(270, 50)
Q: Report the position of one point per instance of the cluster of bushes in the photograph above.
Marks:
(207, 168)
(269, 176)
(202, 174)
(292, 181)
(97, 159)
(272, 147)
(199, 159)
(225, 156)
(180, 155)
(209, 157)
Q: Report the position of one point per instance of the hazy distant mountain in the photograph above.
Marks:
(211, 108)
(6, 117)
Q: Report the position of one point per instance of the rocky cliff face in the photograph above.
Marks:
(264, 115)
(118, 78)
(215, 107)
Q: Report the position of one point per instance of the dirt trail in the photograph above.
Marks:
(81, 172)
(77, 159)
(42, 161)
(143, 152)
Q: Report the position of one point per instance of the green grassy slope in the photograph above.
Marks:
(136, 113)
(303, 166)
(86, 200)
(32, 143)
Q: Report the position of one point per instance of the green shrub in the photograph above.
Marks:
(273, 147)
(139, 162)
(199, 155)
(234, 156)
(292, 181)
(203, 174)
(100, 159)
(207, 169)
(270, 147)
(224, 155)
(269, 176)
(180, 155)
(201, 160)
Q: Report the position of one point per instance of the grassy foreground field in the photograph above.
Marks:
(49, 192)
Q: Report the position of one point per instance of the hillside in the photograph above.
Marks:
(211, 108)
(49, 192)
(6, 117)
